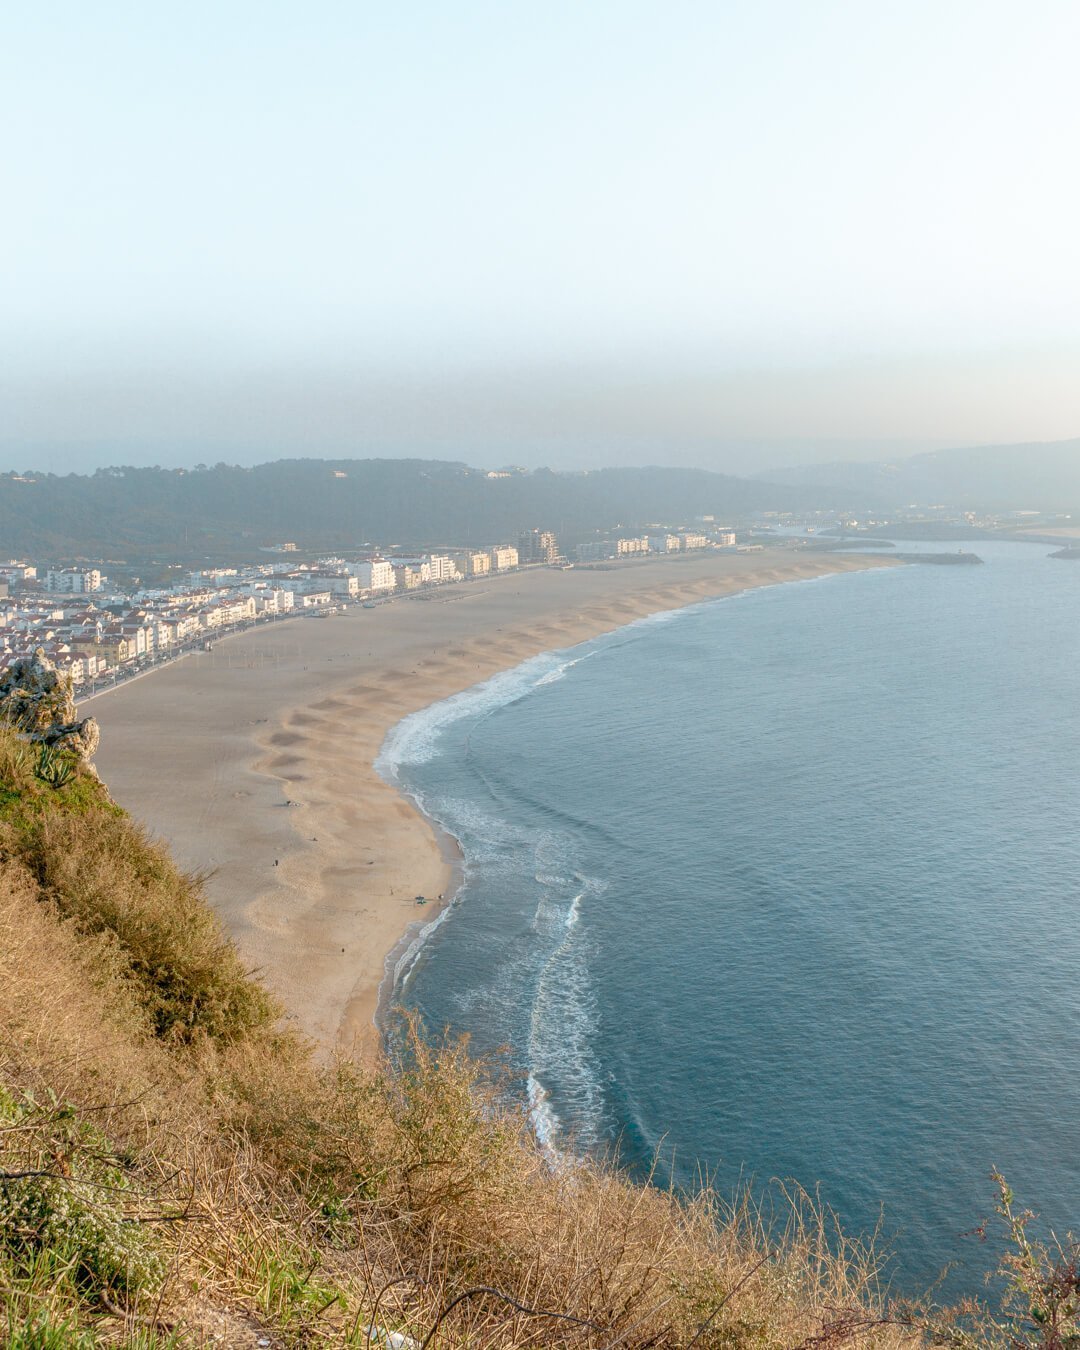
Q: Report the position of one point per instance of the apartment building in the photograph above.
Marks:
(537, 546)
(503, 557)
(410, 576)
(442, 568)
(272, 600)
(374, 574)
(663, 543)
(73, 580)
(625, 548)
(476, 564)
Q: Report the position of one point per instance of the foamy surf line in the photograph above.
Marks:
(565, 1057)
(415, 741)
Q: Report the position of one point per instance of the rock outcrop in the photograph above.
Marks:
(39, 701)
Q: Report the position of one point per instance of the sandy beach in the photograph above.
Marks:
(256, 761)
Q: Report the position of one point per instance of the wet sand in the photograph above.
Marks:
(256, 761)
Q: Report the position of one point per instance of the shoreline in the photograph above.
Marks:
(416, 935)
(412, 940)
(258, 762)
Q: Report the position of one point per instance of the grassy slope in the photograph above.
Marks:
(181, 1171)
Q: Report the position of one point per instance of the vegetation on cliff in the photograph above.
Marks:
(178, 1169)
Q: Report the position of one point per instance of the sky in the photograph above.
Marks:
(728, 234)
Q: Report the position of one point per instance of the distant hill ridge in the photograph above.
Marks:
(225, 510)
(151, 512)
(1036, 475)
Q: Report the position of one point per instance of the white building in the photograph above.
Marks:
(235, 609)
(374, 574)
(344, 585)
(625, 548)
(691, 541)
(409, 576)
(503, 557)
(663, 543)
(85, 666)
(17, 572)
(73, 580)
(272, 600)
(476, 564)
(443, 568)
(141, 637)
(337, 583)
(186, 626)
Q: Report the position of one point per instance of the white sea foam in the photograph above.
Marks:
(664, 615)
(561, 1027)
(560, 670)
(406, 962)
(542, 1116)
(562, 1016)
(538, 992)
(414, 740)
(573, 914)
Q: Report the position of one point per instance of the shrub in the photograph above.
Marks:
(68, 1211)
(55, 767)
(1039, 1299)
(104, 873)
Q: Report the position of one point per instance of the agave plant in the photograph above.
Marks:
(53, 768)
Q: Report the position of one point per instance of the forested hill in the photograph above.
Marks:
(129, 513)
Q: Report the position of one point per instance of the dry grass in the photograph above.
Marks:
(101, 871)
(311, 1205)
(69, 1019)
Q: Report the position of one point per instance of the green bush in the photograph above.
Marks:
(69, 1214)
(54, 767)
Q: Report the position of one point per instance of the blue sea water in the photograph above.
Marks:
(786, 885)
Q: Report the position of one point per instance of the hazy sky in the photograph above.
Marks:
(729, 234)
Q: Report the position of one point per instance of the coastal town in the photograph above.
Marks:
(102, 628)
(100, 631)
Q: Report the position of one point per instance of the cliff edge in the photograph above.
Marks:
(176, 1168)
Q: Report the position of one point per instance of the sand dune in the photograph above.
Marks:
(256, 760)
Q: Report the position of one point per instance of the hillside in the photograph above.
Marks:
(133, 513)
(1041, 476)
(177, 1169)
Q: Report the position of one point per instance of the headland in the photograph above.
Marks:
(255, 761)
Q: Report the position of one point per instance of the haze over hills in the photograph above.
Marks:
(134, 513)
(1042, 476)
(174, 513)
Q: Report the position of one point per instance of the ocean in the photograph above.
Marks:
(785, 886)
